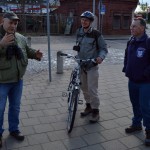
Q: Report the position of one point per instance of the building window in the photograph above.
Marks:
(126, 22)
(116, 21)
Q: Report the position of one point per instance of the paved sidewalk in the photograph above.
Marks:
(44, 113)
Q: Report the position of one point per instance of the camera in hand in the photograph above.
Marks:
(76, 48)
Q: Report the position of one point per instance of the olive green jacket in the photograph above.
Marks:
(13, 70)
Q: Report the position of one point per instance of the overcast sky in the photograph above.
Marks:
(144, 1)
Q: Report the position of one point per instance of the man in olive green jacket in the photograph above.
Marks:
(14, 54)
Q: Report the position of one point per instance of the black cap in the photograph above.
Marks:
(11, 16)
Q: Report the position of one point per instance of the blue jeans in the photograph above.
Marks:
(12, 91)
(140, 98)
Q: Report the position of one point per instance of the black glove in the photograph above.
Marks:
(10, 52)
(14, 50)
(88, 65)
(18, 52)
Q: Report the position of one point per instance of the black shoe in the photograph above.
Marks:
(1, 144)
(132, 129)
(17, 135)
(147, 139)
(87, 110)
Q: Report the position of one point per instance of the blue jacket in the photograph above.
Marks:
(137, 60)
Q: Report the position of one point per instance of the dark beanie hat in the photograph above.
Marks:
(11, 16)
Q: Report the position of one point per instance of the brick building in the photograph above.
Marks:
(117, 17)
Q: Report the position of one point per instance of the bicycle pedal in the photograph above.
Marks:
(80, 102)
(64, 94)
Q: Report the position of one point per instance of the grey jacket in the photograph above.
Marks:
(92, 44)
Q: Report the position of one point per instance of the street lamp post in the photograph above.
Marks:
(48, 35)
(94, 7)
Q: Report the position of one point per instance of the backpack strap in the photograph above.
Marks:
(96, 35)
(79, 35)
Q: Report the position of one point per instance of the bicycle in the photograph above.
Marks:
(74, 89)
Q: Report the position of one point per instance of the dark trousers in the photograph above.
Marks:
(140, 99)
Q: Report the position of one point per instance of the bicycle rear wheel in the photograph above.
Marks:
(72, 108)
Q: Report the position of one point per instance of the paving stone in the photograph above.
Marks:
(113, 94)
(53, 105)
(136, 148)
(29, 130)
(118, 99)
(93, 138)
(43, 128)
(93, 147)
(59, 125)
(123, 121)
(121, 112)
(58, 135)
(108, 108)
(107, 116)
(110, 124)
(39, 107)
(111, 134)
(49, 112)
(28, 102)
(57, 145)
(119, 106)
(11, 143)
(23, 115)
(91, 128)
(30, 121)
(34, 147)
(77, 132)
(131, 141)
(47, 119)
(36, 113)
(74, 143)
(26, 108)
(143, 147)
(43, 101)
(114, 145)
(37, 139)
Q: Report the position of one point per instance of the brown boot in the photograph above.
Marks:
(87, 110)
(95, 116)
(147, 140)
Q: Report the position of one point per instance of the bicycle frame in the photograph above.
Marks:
(75, 79)
(74, 91)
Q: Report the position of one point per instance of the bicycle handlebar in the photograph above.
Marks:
(63, 54)
(76, 59)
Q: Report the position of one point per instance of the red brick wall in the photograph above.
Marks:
(112, 6)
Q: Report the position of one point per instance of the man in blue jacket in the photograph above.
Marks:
(137, 69)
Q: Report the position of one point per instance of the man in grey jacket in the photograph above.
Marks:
(91, 45)
(14, 54)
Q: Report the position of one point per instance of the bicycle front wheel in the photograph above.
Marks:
(72, 108)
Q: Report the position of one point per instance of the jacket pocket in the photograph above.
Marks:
(22, 67)
(24, 62)
(4, 64)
